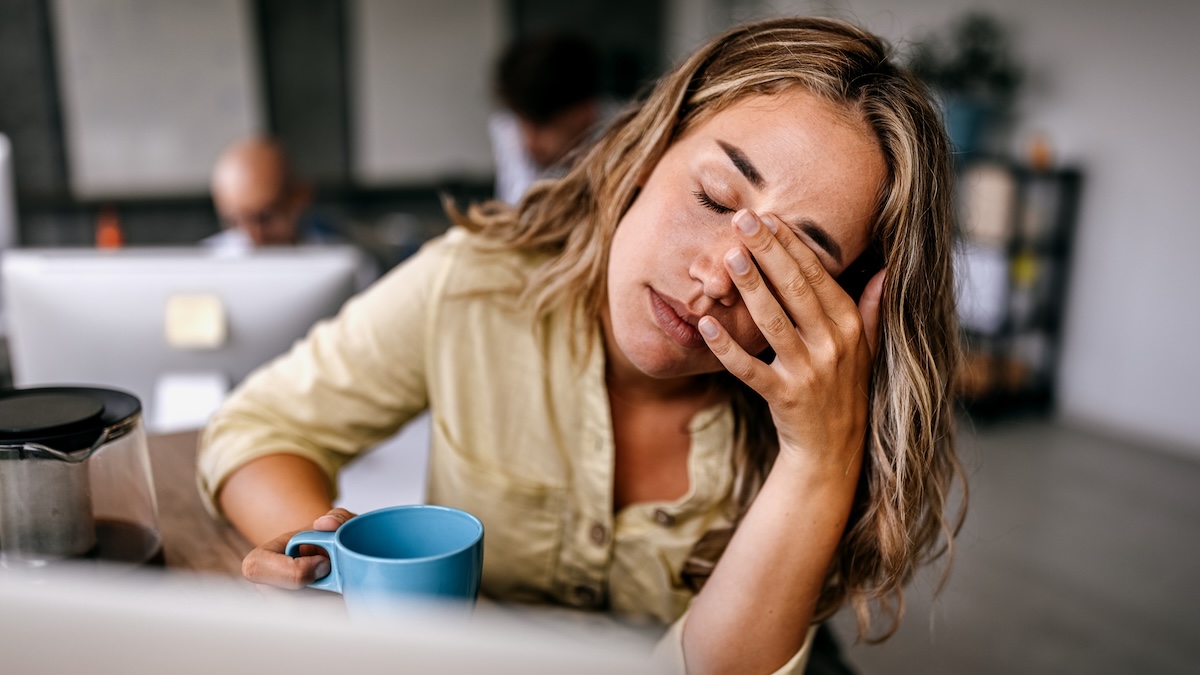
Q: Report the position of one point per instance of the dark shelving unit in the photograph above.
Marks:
(1016, 229)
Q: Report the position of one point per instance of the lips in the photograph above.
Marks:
(679, 327)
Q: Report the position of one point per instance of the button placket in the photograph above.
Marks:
(585, 596)
(598, 534)
(664, 518)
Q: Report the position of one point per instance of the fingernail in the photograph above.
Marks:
(322, 569)
(335, 524)
(737, 261)
(769, 221)
(708, 327)
(746, 221)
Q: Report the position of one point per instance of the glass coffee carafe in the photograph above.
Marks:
(75, 481)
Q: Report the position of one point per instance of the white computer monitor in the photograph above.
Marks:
(177, 327)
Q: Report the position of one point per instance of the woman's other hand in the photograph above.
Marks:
(269, 565)
(824, 344)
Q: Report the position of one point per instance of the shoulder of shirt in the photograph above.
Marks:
(477, 265)
(503, 121)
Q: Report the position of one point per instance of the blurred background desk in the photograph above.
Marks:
(192, 539)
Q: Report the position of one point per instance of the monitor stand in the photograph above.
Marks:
(184, 401)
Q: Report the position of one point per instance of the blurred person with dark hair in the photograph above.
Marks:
(549, 87)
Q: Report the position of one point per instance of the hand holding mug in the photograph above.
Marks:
(382, 560)
(270, 566)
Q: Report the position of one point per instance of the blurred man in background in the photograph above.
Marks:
(261, 201)
(549, 87)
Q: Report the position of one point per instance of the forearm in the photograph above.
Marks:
(275, 494)
(754, 612)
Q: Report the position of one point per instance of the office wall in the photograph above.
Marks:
(153, 91)
(29, 97)
(303, 50)
(421, 89)
(1116, 89)
(690, 22)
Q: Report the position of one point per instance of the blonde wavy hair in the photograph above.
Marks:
(902, 517)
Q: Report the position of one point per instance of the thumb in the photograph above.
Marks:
(332, 520)
(868, 307)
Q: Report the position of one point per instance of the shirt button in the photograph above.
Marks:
(598, 534)
(585, 596)
(663, 518)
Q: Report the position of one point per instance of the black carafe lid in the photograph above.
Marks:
(63, 418)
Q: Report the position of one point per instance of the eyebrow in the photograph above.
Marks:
(821, 238)
(743, 164)
(807, 225)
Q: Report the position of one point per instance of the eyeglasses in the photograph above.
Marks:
(262, 218)
(269, 224)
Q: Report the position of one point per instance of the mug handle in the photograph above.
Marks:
(333, 580)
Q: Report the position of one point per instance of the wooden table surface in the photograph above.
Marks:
(192, 539)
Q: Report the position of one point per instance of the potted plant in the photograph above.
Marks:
(971, 67)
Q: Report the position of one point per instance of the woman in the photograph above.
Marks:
(646, 379)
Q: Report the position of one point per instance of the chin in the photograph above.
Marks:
(665, 362)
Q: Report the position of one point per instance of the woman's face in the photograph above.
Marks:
(794, 155)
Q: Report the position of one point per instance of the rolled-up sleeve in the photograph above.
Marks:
(668, 653)
(354, 380)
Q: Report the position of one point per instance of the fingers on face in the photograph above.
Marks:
(798, 306)
(869, 308)
(820, 282)
(736, 360)
(812, 297)
(788, 265)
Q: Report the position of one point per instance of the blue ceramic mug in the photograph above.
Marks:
(383, 560)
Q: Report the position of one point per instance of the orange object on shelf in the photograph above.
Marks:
(1041, 157)
(108, 229)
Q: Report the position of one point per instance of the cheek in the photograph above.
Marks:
(754, 343)
(745, 332)
(633, 249)
(620, 250)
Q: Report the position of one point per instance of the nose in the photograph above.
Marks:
(709, 269)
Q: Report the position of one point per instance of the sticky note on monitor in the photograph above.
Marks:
(195, 321)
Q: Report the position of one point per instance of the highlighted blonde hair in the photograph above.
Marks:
(902, 517)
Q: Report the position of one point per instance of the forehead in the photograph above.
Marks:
(817, 159)
(243, 191)
(793, 118)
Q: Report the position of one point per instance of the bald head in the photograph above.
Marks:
(253, 189)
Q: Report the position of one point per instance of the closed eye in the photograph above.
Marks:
(711, 204)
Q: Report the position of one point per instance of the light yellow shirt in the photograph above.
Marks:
(521, 433)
